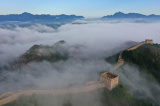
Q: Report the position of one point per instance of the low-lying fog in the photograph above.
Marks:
(98, 41)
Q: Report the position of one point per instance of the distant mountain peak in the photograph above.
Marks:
(118, 13)
(26, 13)
(130, 15)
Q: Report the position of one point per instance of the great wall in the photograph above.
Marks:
(107, 79)
(121, 61)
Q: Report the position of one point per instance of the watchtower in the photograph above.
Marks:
(110, 80)
(149, 41)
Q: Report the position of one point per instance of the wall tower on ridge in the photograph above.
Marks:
(110, 80)
(149, 41)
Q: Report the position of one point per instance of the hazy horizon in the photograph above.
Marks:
(86, 8)
(78, 15)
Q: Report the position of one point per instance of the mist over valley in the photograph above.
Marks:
(50, 57)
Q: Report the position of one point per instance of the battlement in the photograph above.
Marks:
(110, 80)
(149, 41)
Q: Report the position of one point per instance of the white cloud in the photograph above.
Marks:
(95, 41)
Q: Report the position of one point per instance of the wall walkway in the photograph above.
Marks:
(87, 88)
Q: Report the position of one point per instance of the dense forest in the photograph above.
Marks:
(147, 57)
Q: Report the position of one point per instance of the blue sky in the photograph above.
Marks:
(88, 8)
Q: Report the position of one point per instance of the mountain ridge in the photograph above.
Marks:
(130, 15)
(38, 53)
(25, 16)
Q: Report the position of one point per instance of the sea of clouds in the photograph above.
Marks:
(97, 41)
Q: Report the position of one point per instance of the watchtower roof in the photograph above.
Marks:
(109, 75)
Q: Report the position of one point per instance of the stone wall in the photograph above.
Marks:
(5, 95)
(118, 64)
(147, 41)
(75, 90)
(135, 47)
(114, 82)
